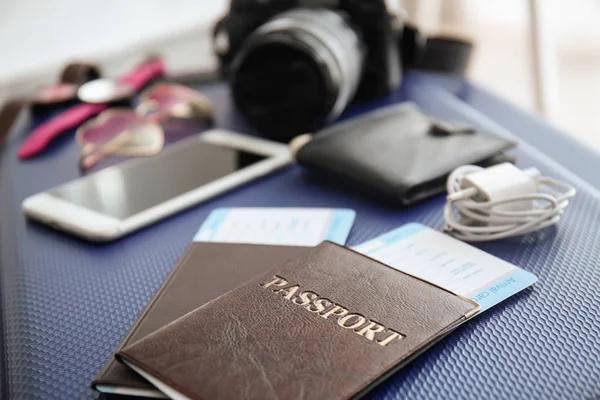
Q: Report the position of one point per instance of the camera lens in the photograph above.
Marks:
(297, 71)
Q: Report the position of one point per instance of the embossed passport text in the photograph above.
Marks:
(329, 324)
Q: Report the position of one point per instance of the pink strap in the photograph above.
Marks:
(46, 132)
(72, 117)
(139, 76)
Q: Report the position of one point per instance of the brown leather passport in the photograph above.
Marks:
(329, 324)
(204, 272)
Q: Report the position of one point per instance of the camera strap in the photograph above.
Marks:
(438, 53)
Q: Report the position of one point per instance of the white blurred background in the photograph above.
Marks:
(38, 37)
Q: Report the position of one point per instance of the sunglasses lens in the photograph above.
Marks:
(166, 95)
(178, 101)
(179, 128)
(145, 139)
(108, 125)
(182, 110)
(167, 113)
(118, 133)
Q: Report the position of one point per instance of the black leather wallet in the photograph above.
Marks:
(399, 152)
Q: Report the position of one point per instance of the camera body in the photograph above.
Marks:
(294, 65)
(371, 17)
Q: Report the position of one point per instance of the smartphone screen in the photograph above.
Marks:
(124, 191)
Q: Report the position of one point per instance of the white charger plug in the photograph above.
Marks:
(502, 201)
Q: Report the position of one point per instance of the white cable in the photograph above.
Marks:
(502, 201)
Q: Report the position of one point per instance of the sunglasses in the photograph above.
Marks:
(166, 113)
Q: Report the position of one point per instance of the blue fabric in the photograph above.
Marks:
(67, 303)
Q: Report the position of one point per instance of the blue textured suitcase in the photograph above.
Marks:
(67, 303)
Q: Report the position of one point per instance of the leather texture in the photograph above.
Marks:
(204, 272)
(295, 333)
(398, 152)
(67, 304)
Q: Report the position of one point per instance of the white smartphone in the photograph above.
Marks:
(118, 200)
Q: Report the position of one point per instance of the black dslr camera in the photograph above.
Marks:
(294, 65)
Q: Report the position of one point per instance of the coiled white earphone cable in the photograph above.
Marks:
(473, 213)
